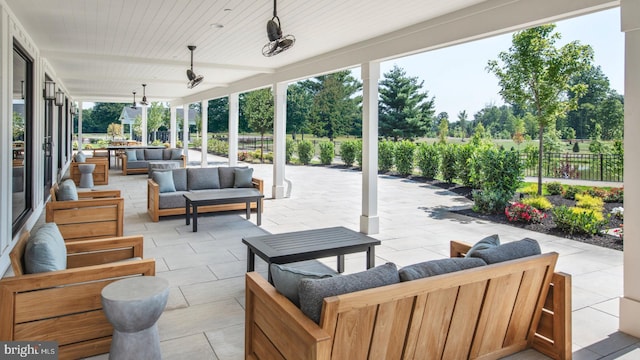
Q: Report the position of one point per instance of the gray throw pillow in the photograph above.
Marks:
(67, 191)
(176, 154)
(313, 291)
(438, 267)
(227, 177)
(164, 180)
(131, 155)
(486, 243)
(45, 250)
(509, 251)
(153, 154)
(242, 178)
(286, 279)
(81, 157)
(203, 178)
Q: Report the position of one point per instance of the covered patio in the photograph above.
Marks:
(102, 50)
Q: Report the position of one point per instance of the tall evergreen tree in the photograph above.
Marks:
(299, 104)
(404, 111)
(335, 105)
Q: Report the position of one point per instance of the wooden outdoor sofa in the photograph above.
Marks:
(486, 312)
(96, 214)
(100, 174)
(65, 305)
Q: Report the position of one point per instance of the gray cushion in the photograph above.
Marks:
(180, 179)
(131, 155)
(140, 154)
(227, 177)
(176, 154)
(67, 191)
(153, 154)
(81, 157)
(45, 250)
(171, 200)
(313, 291)
(286, 279)
(486, 243)
(242, 178)
(202, 178)
(166, 154)
(164, 180)
(139, 164)
(438, 267)
(509, 251)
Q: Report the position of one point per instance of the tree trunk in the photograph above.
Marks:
(540, 148)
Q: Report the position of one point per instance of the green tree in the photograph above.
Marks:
(404, 111)
(335, 105)
(443, 131)
(611, 115)
(157, 116)
(218, 115)
(114, 130)
(102, 115)
(584, 117)
(299, 104)
(462, 122)
(259, 113)
(535, 74)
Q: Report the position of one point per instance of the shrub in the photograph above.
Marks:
(385, 155)
(463, 160)
(428, 160)
(538, 202)
(327, 152)
(403, 154)
(597, 192)
(289, 149)
(448, 162)
(554, 188)
(615, 195)
(305, 151)
(178, 143)
(218, 147)
(268, 157)
(570, 192)
(490, 201)
(576, 147)
(524, 213)
(500, 170)
(359, 152)
(577, 220)
(587, 201)
(530, 189)
(348, 151)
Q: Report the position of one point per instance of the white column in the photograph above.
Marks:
(369, 221)
(630, 302)
(173, 129)
(279, 138)
(143, 127)
(80, 103)
(234, 115)
(185, 131)
(205, 130)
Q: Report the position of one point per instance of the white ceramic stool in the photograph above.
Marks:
(133, 307)
(86, 175)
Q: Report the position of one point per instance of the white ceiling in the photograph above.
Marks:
(102, 50)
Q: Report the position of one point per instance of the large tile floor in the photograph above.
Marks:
(205, 314)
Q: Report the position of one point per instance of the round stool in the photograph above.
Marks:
(86, 175)
(133, 306)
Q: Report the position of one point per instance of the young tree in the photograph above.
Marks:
(443, 131)
(462, 121)
(404, 111)
(156, 118)
(535, 74)
(259, 113)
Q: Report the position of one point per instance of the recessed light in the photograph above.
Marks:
(227, 9)
(217, 26)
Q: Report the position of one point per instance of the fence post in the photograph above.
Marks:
(601, 168)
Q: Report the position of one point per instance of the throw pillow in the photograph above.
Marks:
(243, 178)
(45, 250)
(67, 191)
(313, 291)
(131, 155)
(153, 154)
(286, 279)
(486, 243)
(176, 154)
(203, 178)
(438, 267)
(164, 180)
(509, 251)
(227, 178)
(81, 157)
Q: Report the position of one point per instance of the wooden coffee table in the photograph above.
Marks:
(309, 244)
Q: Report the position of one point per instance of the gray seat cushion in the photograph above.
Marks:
(153, 154)
(438, 267)
(171, 200)
(202, 178)
(45, 250)
(486, 243)
(509, 251)
(313, 291)
(286, 279)
(67, 191)
(139, 164)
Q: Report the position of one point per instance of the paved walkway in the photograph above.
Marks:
(205, 315)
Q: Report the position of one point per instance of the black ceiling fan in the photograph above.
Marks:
(277, 43)
(133, 105)
(144, 96)
(194, 79)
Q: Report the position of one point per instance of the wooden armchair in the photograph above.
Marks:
(65, 306)
(96, 214)
(100, 174)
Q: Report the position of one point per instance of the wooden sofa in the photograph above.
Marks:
(142, 162)
(153, 202)
(65, 306)
(481, 313)
(100, 174)
(96, 214)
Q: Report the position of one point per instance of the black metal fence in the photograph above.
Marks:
(599, 167)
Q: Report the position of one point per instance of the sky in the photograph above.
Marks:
(457, 77)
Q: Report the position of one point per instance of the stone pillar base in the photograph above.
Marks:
(369, 225)
(277, 192)
(630, 322)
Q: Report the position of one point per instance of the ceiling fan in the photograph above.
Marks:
(277, 43)
(194, 79)
(133, 105)
(144, 96)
